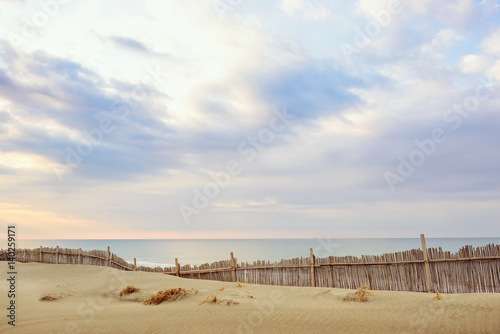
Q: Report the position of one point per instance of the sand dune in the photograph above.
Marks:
(88, 301)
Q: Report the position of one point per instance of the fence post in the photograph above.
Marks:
(177, 267)
(108, 258)
(233, 267)
(24, 256)
(135, 264)
(57, 255)
(426, 262)
(313, 282)
(41, 255)
(79, 256)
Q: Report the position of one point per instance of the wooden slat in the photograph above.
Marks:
(426, 264)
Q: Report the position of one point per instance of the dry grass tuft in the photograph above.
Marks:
(221, 288)
(360, 295)
(241, 284)
(167, 295)
(47, 298)
(230, 302)
(438, 295)
(128, 290)
(213, 299)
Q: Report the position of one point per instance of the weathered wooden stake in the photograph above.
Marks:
(41, 255)
(233, 267)
(426, 261)
(177, 267)
(24, 256)
(108, 258)
(135, 264)
(57, 255)
(313, 283)
(79, 256)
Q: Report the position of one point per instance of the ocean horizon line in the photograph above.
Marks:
(310, 238)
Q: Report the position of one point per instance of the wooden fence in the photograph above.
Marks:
(468, 270)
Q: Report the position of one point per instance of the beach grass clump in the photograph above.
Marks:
(221, 288)
(128, 290)
(213, 299)
(168, 295)
(165, 295)
(47, 298)
(362, 294)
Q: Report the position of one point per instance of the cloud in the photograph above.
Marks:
(491, 44)
(309, 93)
(450, 11)
(48, 225)
(475, 64)
(291, 6)
(217, 82)
(494, 71)
(307, 10)
(129, 43)
(446, 38)
(60, 100)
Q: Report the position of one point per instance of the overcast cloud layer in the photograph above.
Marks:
(253, 119)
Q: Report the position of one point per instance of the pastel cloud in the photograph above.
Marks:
(170, 96)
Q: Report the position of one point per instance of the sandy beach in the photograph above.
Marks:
(89, 301)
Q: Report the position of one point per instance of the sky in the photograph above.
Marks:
(249, 119)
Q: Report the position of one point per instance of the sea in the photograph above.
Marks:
(162, 252)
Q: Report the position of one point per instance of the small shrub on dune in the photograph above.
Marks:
(168, 295)
(360, 295)
(128, 290)
(213, 299)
